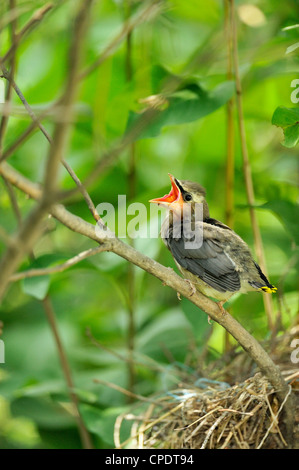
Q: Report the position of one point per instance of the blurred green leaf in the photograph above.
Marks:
(102, 422)
(183, 110)
(288, 213)
(44, 412)
(37, 286)
(197, 318)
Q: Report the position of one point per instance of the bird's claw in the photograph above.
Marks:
(221, 308)
(192, 287)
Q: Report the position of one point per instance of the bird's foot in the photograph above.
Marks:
(179, 296)
(192, 286)
(221, 308)
(209, 320)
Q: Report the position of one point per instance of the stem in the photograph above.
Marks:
(131, 193)
(247, 170)
(85, 437)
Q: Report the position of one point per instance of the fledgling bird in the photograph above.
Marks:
(222, 264)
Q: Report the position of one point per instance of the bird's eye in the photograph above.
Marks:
(188, 197)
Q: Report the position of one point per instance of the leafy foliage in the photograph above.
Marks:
(288, 120)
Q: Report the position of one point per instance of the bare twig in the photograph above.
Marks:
(85, 437)
(60, 267)
(7, 75)
(83, 191)
(4, 120)
(274, 421)
(37, 16)
(153, 423)
(13, 200)
(128, 393)
(62, 129)
(131, 180)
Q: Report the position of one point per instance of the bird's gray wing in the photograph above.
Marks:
(209, 262)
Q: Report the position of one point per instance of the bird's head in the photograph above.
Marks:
(182, 192)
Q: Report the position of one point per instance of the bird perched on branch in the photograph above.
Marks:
(207, 252)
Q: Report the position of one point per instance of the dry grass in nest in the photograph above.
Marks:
(215, 417)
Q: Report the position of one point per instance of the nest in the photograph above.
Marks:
(210, 415)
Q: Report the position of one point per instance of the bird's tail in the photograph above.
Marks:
(269, 289)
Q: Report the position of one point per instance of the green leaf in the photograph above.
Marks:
(288, 120)
(285, 117)
(182, 110)
(291, 136)
(44, 412)
(37, 287)
(102, 422)
(288, 213)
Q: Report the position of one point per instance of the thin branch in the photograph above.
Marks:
(60, 267)
(7, 75)
(83, 191)
(37, 16)
(131, 181)
(128, 393)
(62, 129)
(85, 437)
(18, 141)
(4, 120)
(13, 200)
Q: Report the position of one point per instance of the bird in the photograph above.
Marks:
(221, 265)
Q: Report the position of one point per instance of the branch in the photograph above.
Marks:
(37, 16)
(84, 435)
(173, 280)
(60, 267)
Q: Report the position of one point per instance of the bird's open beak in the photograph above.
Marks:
(173, 198)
